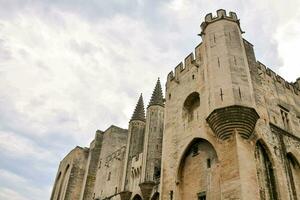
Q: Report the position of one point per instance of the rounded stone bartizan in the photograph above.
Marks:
(228, 120)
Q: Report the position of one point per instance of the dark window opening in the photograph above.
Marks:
(156, 172)
(109, 174)
(208, 162)
(171, 195)
(202, 196)
(193, 76)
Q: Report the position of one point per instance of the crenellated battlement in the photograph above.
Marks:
(293, 87)
(221, 14)
(181, 68)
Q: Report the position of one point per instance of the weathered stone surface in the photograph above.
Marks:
(228, 128)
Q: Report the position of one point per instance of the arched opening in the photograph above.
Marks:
(191, 103)
(63, 183)
(137, 197)
(295, 168)
(56, 185)
(265, 173)
(155, 196)
(198, 173)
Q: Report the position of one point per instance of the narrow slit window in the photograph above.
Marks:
(108, 177)
(208, 162)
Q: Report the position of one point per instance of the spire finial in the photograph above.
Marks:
(139, 111)
(157, 95)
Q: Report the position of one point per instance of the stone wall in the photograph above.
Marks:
(92, 166)
(69, 180)
(111, 163)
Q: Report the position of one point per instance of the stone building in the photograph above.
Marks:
(228, 128)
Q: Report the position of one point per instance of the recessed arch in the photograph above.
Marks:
(185, 153)
(191, 103)
(265, 172)
(293, 160)
(198, 171)
(62, 182)
(295, 169)
(137, 197)
(56, 185)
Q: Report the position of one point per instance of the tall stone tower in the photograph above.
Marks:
(153, 143)
(210, 110)
(134, 152)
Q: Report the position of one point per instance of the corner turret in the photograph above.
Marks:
(221, 14)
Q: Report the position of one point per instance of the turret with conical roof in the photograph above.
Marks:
(153, 141)
(139, 111)
(135, 144)
(157, 95)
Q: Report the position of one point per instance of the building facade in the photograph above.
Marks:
(228, 128)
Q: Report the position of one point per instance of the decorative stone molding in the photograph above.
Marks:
(146, 189)
(225, 121)
(125, 195)
(279, 130)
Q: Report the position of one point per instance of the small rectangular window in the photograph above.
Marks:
(208, 161)
(202, 196)
(171, 195)
(156, 173)
(108, 177)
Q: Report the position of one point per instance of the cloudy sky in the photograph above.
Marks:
(70, 67)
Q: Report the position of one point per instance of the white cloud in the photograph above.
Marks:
(18, 146)
(6, 193)
(66, 77)
(15, 187)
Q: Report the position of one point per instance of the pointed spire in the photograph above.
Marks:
(157, 95)
(139, 111)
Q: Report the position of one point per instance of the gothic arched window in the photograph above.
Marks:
(265, 173)
(295, 168)
(190, 104)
